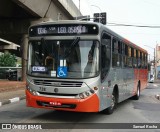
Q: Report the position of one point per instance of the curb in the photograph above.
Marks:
(13, 100)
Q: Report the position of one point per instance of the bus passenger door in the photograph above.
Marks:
(105, 68)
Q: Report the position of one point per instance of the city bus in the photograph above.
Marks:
(82, 66)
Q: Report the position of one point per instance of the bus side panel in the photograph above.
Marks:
(136, 79)
(143, 78)
(140, 75)
(90, 104)
(114, 77)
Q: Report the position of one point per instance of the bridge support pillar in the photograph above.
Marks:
(24, 55)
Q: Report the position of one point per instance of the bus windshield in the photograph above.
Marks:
(63, 58)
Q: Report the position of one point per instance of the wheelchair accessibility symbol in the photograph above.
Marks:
(62, 71)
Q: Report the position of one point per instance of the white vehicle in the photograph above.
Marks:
(151, 78)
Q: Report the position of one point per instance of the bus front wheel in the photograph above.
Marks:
(110, 109)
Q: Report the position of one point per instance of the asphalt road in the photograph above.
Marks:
(145, 110)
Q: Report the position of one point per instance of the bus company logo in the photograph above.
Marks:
(56, 90)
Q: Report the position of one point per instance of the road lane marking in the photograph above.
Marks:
(155, 85)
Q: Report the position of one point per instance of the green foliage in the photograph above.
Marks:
(7, 59)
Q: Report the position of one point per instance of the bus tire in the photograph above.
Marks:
(136, 97)
(110, 109)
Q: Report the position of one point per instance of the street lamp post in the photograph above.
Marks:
(154, 59)
(99, 9)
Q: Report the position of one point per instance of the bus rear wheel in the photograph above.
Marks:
(110, 109)
(136, 97)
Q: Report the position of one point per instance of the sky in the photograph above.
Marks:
(132, 12)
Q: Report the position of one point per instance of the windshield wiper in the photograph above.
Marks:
(67, 52)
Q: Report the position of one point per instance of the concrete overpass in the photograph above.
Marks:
(17, 15)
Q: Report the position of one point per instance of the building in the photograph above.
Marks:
(158, 61)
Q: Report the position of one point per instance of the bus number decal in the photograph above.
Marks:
(42, 89)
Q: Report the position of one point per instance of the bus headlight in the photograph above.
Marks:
(33, 92)
(81, 95)
(86, 94)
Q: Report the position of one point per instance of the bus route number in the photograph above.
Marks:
(62, 30)
(42, 31)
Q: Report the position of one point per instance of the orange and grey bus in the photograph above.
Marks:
(83, 67)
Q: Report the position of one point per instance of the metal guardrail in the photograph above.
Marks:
(10, 67)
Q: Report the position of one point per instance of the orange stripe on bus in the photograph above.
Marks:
(90, 104)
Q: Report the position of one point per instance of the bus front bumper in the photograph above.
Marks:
(90, 104)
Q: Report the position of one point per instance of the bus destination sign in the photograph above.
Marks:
(62, 29)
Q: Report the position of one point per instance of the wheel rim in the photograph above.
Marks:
(113, 102)
(138, 92)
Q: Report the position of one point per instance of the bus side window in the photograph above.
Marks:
(116, 53)
(143, 60)
(125, 55)
(130, 57)
(105, 55)
(146, 61)
(139, 59)
(134, 58)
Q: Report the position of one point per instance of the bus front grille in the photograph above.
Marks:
(58, 83)
(57, 94)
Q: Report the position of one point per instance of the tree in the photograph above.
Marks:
(7, 59)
